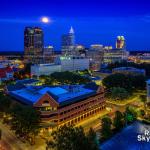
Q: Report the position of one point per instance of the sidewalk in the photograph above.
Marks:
(93, 121)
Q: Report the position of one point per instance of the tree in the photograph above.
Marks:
(128, 82)
(5, 103)
(117, 80)
(106, 128)
(142, 113)
(130, 115)
(118, 121)
(72, 138)
(69, 78)
(25, 121)
(118, 93)
(92, 140)
(138, 81)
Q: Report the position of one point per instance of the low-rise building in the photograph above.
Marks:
(59, 105)
(6, 74)
(72, 63)
(129, 70)
(62, 63)
(44, 69)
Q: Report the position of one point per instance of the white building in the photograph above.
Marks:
(72, 63)
(45, 69)
(61, 64)
(148, 90)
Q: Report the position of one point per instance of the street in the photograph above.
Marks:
(10, 142)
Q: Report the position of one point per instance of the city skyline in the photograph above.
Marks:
(94, 22)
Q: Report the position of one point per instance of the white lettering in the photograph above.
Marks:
(147, 132)
(143, 138)
(148, 139)
(139, 137)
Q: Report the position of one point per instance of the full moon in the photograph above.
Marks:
(45, 20)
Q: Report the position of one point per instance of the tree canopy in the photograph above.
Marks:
(106, 128)
(129, 82)
(5, 103)
(130, 114)
(25, 121)
(118, 93)
(72, 138)
(69, 78)
(118, 120)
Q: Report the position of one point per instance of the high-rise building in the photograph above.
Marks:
(68, 42)
(95, 55)
(120, 43)
(33, 44)
(114, 55)
(48, 54)
(79, 50)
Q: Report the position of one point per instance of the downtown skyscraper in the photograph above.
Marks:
(120, 42)
(68, 42)
(33, 44)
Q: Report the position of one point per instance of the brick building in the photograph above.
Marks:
(69, 104)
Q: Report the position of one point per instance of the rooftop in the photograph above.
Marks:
(62, 94)
(128, 68)
(4, 71)
(27, 81)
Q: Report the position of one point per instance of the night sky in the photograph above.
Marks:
(94, 21)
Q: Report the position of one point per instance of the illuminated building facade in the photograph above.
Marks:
(115, 55)
(95, 55)
(140, 56)
(44, 69)
(33, 44)
(48, 54)
(59, 105)
(68, 42)
(79, 50)
(72, 63)
(63, 63)
(120, 43)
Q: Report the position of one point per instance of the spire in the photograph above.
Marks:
(71, 30)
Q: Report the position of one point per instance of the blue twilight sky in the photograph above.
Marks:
(94, 21)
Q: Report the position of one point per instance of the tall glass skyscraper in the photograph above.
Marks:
(33, 43)
(68, 42)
